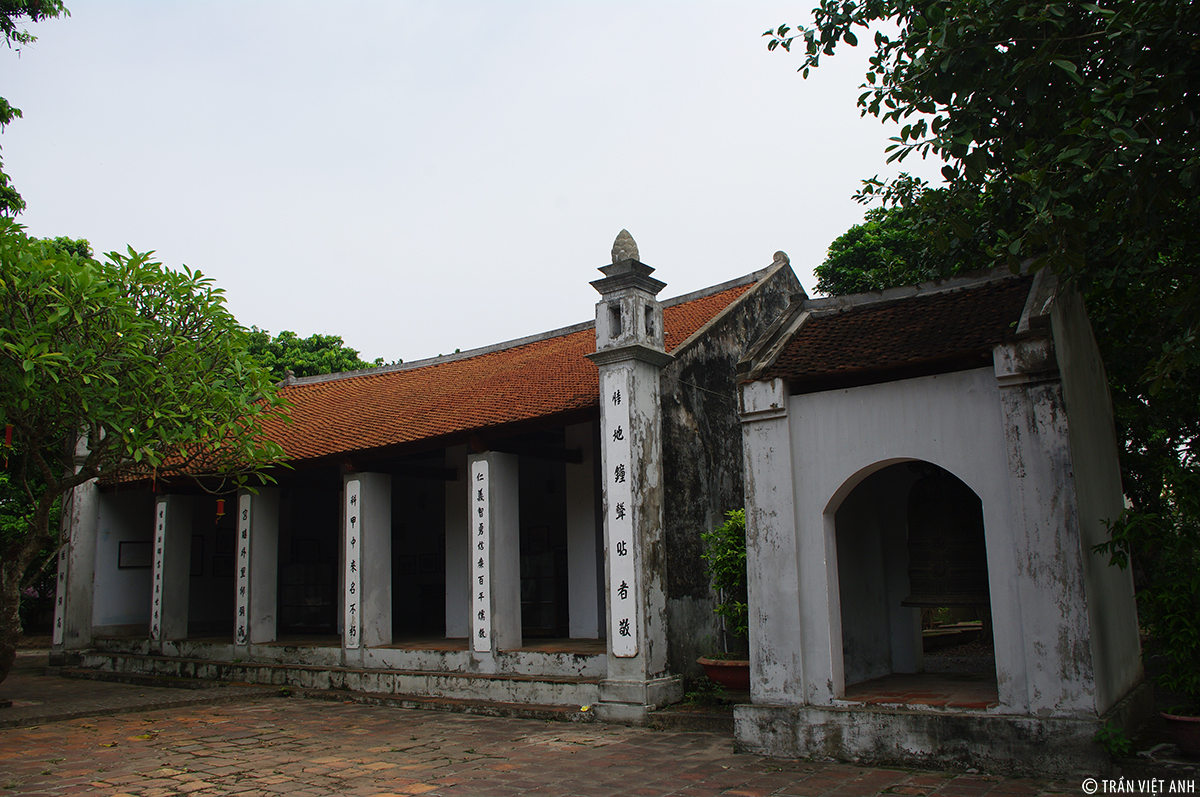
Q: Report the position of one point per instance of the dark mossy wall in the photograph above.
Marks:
(702, 453)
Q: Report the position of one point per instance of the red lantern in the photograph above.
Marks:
(220, 509)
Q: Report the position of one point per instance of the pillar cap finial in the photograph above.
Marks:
(624, 248)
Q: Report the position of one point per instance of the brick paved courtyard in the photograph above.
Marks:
(272, 746)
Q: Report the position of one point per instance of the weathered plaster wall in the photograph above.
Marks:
(1114, 627)
(122, 597)
(841, 437)
(702, 449)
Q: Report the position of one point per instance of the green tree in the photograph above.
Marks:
(903, 245)
(1077, 120)
(12, 14)
(316, 354)
(113, 368)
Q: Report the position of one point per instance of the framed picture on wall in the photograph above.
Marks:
(135, 555)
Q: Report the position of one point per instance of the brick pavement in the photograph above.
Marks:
(274, 746)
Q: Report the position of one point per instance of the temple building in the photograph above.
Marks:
(521, 524)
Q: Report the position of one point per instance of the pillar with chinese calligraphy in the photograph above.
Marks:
(171, 574)
(630, 355)
(495, 563)
(367, 564)
(73, 595)
(256, 567)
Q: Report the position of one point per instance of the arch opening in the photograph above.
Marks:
(913, 590)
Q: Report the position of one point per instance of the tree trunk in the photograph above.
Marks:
(12, 573)
(10, 615)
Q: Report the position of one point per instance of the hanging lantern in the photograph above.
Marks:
(220, 509)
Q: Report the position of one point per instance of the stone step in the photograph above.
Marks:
(564, 691)
(484, 708)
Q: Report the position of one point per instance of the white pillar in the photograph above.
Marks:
(1055, 650)
(776, 654)
(585, 598)
(171, 574)
(367, 602)
(493, 511)
(629, 356)
(257, 567)
(80, 521)
(458, 602)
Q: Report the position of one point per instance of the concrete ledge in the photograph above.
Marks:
(1032, 746)
(498, 687)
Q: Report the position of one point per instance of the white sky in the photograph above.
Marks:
(424, 176)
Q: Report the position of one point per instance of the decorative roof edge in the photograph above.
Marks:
(712, 290)
(760, 278)
(766, 350)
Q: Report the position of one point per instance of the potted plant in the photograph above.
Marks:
(1166, 547)
(725, 562)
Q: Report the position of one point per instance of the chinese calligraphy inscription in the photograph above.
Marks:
(353, 614)
(618, 452)
(242, 620)
(160, 524)
(481, 570)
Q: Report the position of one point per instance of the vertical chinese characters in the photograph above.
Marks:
(242, 620)
(480, 517)
(352, 618)
(622, 582)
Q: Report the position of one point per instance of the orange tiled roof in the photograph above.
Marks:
(919, 334)
(456, 396)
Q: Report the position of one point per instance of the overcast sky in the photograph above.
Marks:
(424, 176)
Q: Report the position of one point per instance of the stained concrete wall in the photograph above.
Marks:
(840, 438)
(122, 597)
(1116, 659)
(702, 446)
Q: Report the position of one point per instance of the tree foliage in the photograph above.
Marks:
(725, 560)
(113, 368)
(895, 246)
(1078, 122)
(316, 354)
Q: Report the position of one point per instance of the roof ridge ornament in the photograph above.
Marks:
(780, 259)
(624, 248)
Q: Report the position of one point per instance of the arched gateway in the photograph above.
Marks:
(919, 450)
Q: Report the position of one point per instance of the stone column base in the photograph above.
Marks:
(932, 739)
(628, 701)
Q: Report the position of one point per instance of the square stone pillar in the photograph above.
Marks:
(493, 515)
(367, 561)
(172, 573)
(777, 660)
(257, 567)
(80, 522)
(630, 356)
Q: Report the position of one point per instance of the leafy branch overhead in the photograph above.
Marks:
(113, 369)
(1078, 119)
